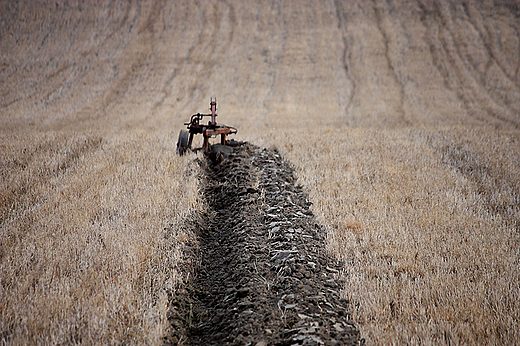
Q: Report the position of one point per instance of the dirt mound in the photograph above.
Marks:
(264, 277)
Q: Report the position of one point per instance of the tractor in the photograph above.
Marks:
(211, 129)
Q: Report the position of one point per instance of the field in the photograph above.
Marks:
(400, 117)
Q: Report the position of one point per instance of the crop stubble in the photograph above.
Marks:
(401, 118)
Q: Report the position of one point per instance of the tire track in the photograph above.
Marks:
(141, 53)
(379, 15)
(458, 73)
(59, 157)
(202, 47)
(488, 38)
(486, 34)
(341, 17)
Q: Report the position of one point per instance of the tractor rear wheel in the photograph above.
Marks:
(182, 142)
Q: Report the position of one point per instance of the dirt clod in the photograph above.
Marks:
(264, 277)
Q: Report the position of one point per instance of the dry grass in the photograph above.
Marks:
(430, 242)
(412, 163)
(84, 254)
(89, 177)
(401, 118)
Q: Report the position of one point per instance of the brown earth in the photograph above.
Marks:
(264, 276)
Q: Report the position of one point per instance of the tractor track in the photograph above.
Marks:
(263, 276)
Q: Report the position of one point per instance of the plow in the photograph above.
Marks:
(208, 130)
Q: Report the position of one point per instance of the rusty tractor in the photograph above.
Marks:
(209, 130)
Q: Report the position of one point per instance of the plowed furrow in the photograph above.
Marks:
(264, 276)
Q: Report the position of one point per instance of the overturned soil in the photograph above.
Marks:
(263, 276)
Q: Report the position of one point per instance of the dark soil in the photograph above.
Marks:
(263, 276)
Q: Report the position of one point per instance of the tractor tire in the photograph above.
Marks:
(182, 142)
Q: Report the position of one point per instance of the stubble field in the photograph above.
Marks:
(401, 118)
